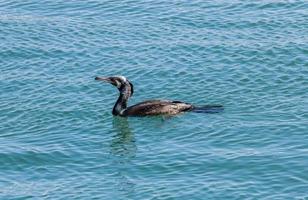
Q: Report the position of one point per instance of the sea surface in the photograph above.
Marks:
(59, 140)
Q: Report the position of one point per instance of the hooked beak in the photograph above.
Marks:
(105, 79)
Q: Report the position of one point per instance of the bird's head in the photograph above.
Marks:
(121, 82)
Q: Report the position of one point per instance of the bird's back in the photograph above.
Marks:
(157, 107)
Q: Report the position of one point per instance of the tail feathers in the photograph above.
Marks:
(208, 109)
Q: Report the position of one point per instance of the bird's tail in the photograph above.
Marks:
(208, 109)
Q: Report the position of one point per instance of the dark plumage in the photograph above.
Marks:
(146, 108)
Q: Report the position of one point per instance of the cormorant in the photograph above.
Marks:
(150, 107)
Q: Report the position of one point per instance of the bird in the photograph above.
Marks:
(149, 107)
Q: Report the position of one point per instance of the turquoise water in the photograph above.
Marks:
(58, 139)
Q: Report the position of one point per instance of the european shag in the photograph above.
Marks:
(150, 107)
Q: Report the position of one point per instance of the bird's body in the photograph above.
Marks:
(146, 108)
(157, 107)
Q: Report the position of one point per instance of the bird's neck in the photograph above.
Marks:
(121, 103)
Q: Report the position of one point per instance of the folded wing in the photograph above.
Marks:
(157, 107)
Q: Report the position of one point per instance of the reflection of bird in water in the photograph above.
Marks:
(150, 107)
(123, 143)
(123, 148)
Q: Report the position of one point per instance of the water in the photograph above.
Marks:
(60, 141)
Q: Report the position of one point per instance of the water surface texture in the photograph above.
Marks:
(58, 139)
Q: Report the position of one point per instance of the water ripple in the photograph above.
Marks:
(60, 141)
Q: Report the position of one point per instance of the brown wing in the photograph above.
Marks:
(157, 107)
